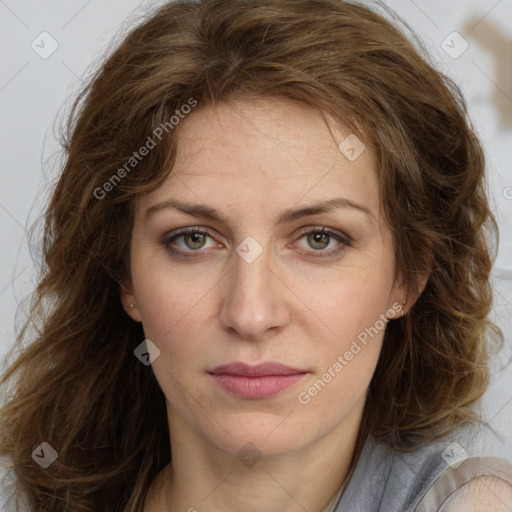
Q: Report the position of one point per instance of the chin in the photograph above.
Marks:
(266, 435)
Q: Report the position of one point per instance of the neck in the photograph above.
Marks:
(201, 477)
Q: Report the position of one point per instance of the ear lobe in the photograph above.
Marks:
(421, 278)
(400, 293)
(128, 300)
(421, 282)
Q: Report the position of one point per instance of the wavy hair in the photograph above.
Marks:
(77, 384)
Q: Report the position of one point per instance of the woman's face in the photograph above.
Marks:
(258, 282)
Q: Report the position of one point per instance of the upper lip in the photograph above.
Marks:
(259, 370)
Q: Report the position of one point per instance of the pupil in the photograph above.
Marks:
(317, 238)
(195, 239)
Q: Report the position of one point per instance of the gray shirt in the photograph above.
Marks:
(421, 480)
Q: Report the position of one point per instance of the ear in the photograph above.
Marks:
(400, 294)
(421, 280)
(128, 300)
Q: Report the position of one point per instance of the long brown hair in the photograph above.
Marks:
(79, 387)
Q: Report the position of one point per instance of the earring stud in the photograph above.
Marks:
(403, 307)
(132, 305)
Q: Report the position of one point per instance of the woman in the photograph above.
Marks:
(266, 277)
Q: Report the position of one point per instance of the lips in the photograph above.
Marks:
(259, 370)
(259, 381)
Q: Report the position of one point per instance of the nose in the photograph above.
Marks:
(254, 301)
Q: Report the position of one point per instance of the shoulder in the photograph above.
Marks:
(482, 494)
(431, 476)
(479, 484)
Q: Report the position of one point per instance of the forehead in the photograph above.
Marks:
(272, 152)
(259, 131)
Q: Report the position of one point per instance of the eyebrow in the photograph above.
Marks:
(288, 216)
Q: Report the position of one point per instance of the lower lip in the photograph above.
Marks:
(256, 387)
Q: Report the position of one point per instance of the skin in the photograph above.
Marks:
(481, 494)
(251, 161)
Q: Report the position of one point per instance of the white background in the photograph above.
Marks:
(36, 92)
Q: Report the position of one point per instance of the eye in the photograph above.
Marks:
(195, 239)
(320, 238)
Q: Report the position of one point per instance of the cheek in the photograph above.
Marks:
(345, 369)
(354, 306)
(355, 316)
(175, 320)
(169, 296)
(358, 317)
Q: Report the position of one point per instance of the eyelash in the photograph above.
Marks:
(345, 241)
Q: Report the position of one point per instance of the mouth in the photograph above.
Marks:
(260, 381)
